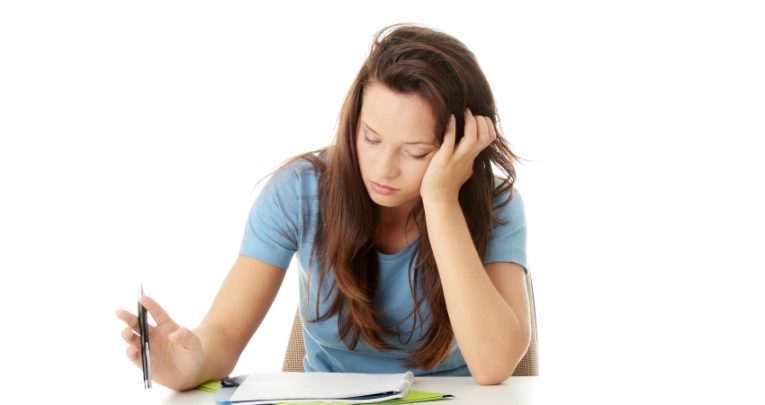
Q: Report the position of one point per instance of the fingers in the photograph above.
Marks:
(129, 319)
(475, 126)
(156, 311)
(129, 335)
(492, 130)
(479, 133)
(482, 131)
(450, 135)
(471, 129)
(486, 134)
(133, 355)
(132, 352)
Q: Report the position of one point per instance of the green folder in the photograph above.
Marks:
(412, 396)
(210, 386)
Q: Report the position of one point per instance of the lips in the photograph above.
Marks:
(381, 189)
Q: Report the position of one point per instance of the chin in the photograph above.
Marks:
(384, 202)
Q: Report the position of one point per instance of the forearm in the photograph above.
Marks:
(472, 301)
(219, 355)
(240, 306)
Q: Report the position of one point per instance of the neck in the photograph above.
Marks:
(393, 223)
(395, 215)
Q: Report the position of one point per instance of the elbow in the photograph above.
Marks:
(497, 372)
(493, 374)
(492, 378)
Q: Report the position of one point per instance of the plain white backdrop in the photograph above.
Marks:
(132, 136)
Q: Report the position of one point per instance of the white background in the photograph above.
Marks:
(132, 136)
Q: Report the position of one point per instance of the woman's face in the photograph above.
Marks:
(395, 141)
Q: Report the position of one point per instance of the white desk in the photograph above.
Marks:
(516, 391)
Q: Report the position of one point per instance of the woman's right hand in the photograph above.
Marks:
(176, 352)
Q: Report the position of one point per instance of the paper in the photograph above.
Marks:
(313, 386)
(412, 396)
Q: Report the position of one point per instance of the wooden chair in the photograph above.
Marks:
(529, 365)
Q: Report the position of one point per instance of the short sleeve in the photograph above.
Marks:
(508, 240)
(271, 232)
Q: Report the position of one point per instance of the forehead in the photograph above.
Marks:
(393, 114)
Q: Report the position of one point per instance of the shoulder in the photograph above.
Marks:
(507, 242)
(299, 178)
(508, 204)
(287, 202)
(300, 170)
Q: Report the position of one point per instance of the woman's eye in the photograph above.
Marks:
(371, 141)
(416, 157)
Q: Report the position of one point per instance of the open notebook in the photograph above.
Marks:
(296, 387)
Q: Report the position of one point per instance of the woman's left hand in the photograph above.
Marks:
(451, 166)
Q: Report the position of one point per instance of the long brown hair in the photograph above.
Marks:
(408, 59)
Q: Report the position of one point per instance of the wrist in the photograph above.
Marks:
(433, 203)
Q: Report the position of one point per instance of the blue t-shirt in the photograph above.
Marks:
(282, 222)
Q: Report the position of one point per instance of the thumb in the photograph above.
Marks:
(184, 337)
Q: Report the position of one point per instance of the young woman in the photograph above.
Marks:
(411, 246)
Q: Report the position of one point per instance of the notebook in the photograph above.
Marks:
(296, 387)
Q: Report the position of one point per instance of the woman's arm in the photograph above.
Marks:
(488, 307)
(240, 306)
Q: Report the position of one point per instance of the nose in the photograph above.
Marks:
(387, 165)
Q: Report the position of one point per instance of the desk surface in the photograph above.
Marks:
(516, 390)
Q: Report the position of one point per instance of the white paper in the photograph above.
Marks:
(320, 385)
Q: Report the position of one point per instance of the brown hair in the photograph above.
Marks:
(408, 59)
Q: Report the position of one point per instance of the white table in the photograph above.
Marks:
(516, 391)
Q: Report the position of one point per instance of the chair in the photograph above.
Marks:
(528, 366)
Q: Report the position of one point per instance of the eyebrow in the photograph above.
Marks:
(405, 143)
